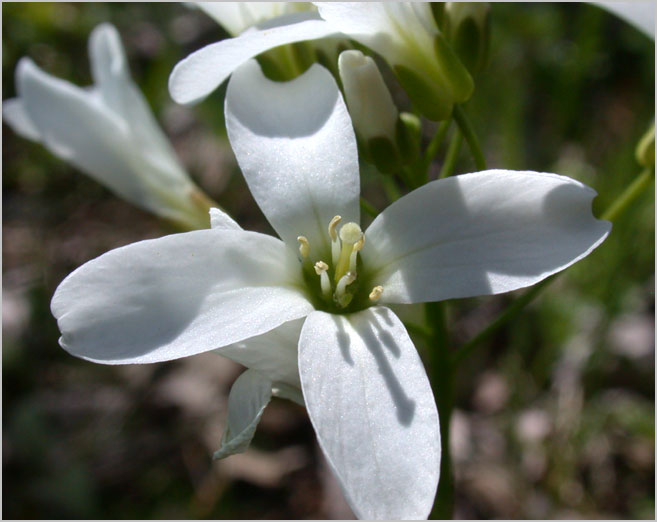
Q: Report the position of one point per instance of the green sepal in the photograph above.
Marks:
(431, 100)
(384, 154)
(645, 150)
(470, 45)
(409, 129)
(467, 28)
(438, 12)
(303, 54)
(456, 77)
(271, 68)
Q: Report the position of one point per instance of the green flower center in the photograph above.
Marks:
(341, 286)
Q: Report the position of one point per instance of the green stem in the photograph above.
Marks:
(508, 314)
(441, 383)
(368, 207)
(390, 188)
(432, 148)
(452, 155)
(615, 210)
(628, 196)
(470, 136)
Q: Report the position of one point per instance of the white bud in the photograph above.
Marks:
(370, 105)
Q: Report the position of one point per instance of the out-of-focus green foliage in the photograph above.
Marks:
(554, 415)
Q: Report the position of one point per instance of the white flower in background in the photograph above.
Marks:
(236, 17)
(640, 14)
(404, 33)
(308, 313)
(106, 131)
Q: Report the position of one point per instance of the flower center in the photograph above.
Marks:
(339, 280)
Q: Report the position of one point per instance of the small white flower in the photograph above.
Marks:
(308, 313)
(107, 131)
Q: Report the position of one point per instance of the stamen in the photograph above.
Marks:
(332, 226)
(376, 292)
(353, 258)
(341, 296)
(335, 242)
(304, 246)
(321, 269)
(350, 234)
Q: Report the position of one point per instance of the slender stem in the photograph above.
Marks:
(390, 188)
(432, 148)
(629, 195)
(368, 207)
(419, 330)
(441, 382)
(508, 314)
(615, 210)
(470, 136)
(452, 155)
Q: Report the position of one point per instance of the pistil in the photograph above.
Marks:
(350, 235)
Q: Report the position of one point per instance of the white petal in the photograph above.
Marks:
(385, 27)
(202, 72)
(222, 221)
(273, 353)
(109, 65)
(480, 234)
(126, 156)
(235, 17)
(248, 397)
(15, 115)
(371, 405)
(639, 14)
(120, 94)
(296, 147)
(356, 18)
(77, 128)
(177, 296)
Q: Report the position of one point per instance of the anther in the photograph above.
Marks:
(341, 296)
(353, 258)
(304, 246)
(376, 292)
(332, 226)
(335, 242)
(320, 269)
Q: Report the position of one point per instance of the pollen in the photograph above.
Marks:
(376, 292)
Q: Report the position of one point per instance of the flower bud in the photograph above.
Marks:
(370, 105)
(373, 113)
(467, 27)
(645, 150)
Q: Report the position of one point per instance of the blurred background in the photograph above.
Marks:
(554, 416)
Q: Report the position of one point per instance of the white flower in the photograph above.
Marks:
(320, 294)
(404, 33)
(107, 131)
(236, 17)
